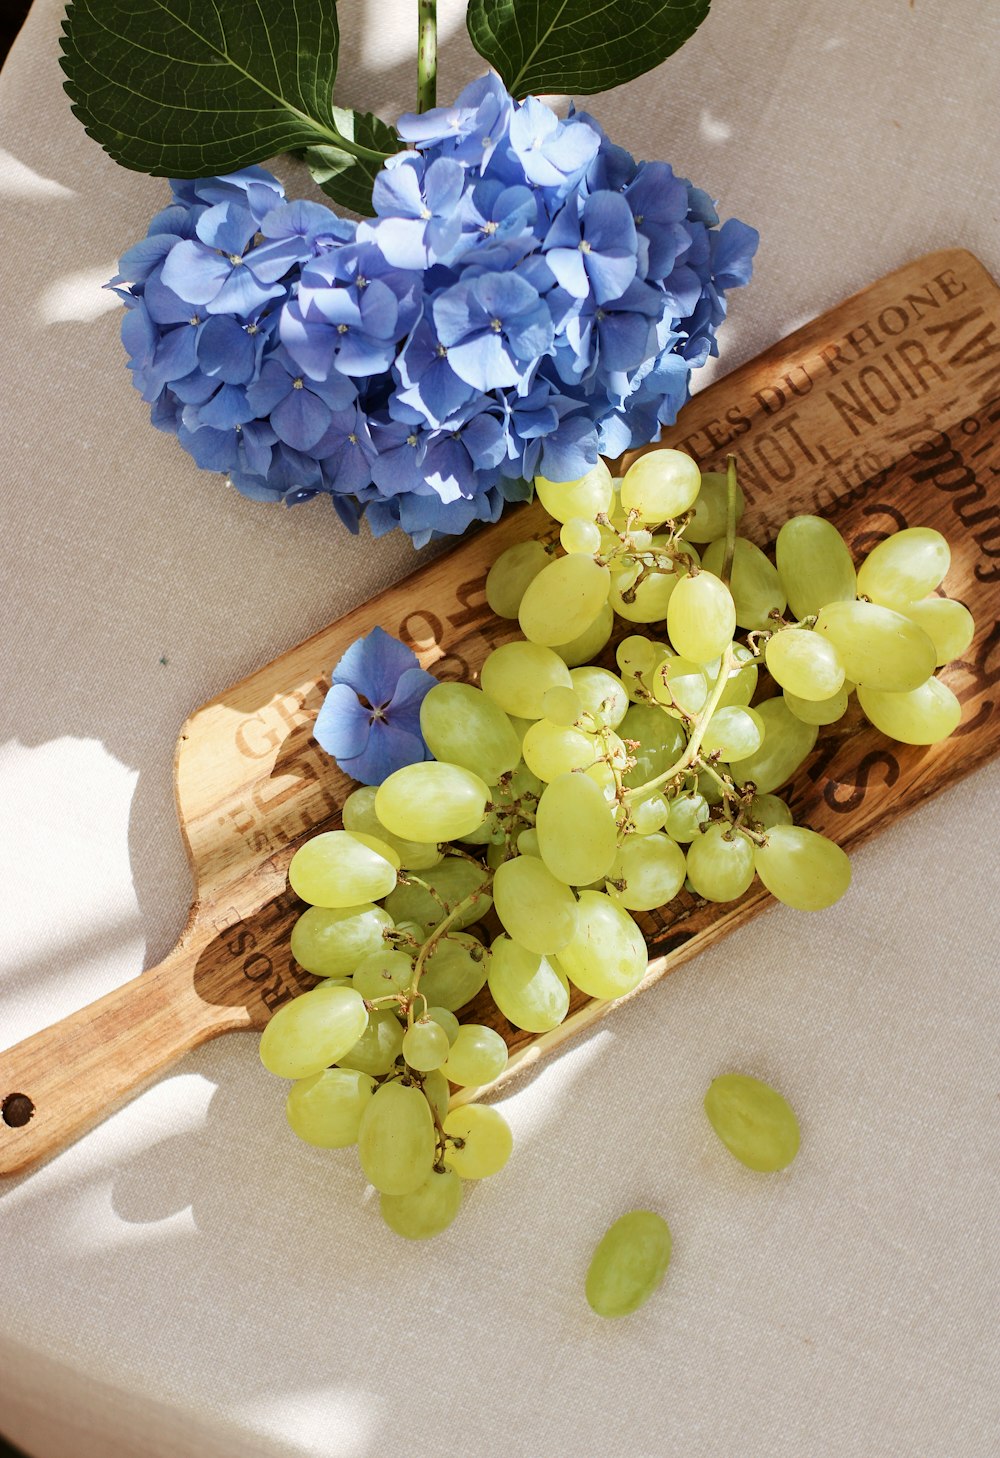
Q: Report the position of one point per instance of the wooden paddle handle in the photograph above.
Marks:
(58, 1082)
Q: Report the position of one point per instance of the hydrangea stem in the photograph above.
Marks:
(426, 54)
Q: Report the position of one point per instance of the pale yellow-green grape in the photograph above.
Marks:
(383, 974)
(451, 882)
(720, 862)
(804, 663)
(563, 706)
(578, 535)
(590, 642)
(601, 695)
(343, 868)
(801, 868)
(733, 734)
(708, 520)
(477, 1056)
(312, 1031)
(925, 715)
(527, 842)
(606, 956)
(629, 1263)
(820, 711)
(649, 815)
(753, 1120)
(462, 726)
(661, 741)
(586, 497)
(949, 625)
(814, 564)
(480, 1141)
(517, 675)
(787, 742)
(425, 1211)
(563, 600)
(520, 782)
(437, 801)
(679, 685)
(520, 726)
(455, 971)
(529, 989)
(661, 485)
(905, 567)
(446, 1020)
(535, 908)
(648, 871)
(646, 602)
(425, 1045)
(326, 1108)
(637, 658)
(741, 684)
(508, 578)
(685, 816)
(396, 1139)
(358, 813)
(878, 647)
(550, 751)
(333, 941)
(708, 785)
(701, 617)
(379, 1046)
(769, 810)
(576, 829)
(754, 583)
(438, 1091)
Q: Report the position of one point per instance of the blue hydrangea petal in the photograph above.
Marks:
(404, 707)
(342, 725)
(242, 294)
(300, 419)
(228, 227)
(194, 272)
(571, 274)
(226, 350)
(373, 666)
(389, 748)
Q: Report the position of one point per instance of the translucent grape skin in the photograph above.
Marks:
(530, 990)
(629, 1263)
(709, 517)
(564, 599)
(332, 941)
(536, 908)
(586, 497)
(720, 863)
(510, 575)
(754, 584)
(396, 1139)
(343, 868)
(606, 957)
(426, 1211)
(801, 868)
(431, 801)
(358, 813)
(589, 643)
(517, 675)
(661, 485)
(480, 1141)
(814, 564)
(463, 726)
(878, 647)
(477, 1056)
(949, 625)
(804, 663)
(426, 1045)
(787, 742)
(325, 1109)
(650, 870)
(925, 715)
(309, 1033)
(576, 829)
(701, 617)
(905, 567)
(755, 1123)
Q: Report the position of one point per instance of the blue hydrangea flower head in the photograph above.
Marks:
(370, 719)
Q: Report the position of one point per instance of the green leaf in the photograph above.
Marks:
(191, 88)
(348, 180)
(578, 47)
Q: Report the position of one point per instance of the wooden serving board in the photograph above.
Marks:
(884, 412)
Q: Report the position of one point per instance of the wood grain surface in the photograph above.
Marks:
(883, 413)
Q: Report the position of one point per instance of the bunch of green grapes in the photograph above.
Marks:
(567, 796)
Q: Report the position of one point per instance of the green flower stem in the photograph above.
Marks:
(426, 54)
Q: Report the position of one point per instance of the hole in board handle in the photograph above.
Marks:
(16, 1110)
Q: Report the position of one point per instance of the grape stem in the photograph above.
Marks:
(441, 930)
(690, 755)
(730, 552)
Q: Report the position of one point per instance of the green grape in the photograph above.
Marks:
(383, 974)
(462, 726)
(814, 565)
(606, 956)
(437, 1090)
(600, 694)
(520, 726)
(879, 648)
(649, 869)
(636, 654)
(948, 624)
(453, 881)
(535, 908)
(741, 684)
(649, 815)
(720, 863)
(679, 685)
(358, 813)
(312, 1031)
(708, 786)
(629, 1263)
(787, 742)
(587, 497)
(753, 1120)
(455, 972)
(578, 535)
(477, 1056)
(769, 811)
(550, 751)
(804, 663)
(603, 777)
(661, 485)
(425, 1211)
(905, 567)
(333, 941)
(701, 617)
(711, 508)
(326, 1108)
(527, 842)
(446, 1020)
(379, 1046)
(801, 868)
(820, 711)
(644, 601)
(425, 1045)
(563, 706)
(342, 868)
(754, 584)
(590, 642)
(511, 573)
(396, 1141)
(576, 830)
(685, 816)
(517, 675)
(925, 715)
(514, 786)
(437, 801)
(529, 990)
(733, 733)
(481, 1141)
(563, 600)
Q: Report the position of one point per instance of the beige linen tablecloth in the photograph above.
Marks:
(189, 1282)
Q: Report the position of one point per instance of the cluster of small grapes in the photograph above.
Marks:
(566, 796)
